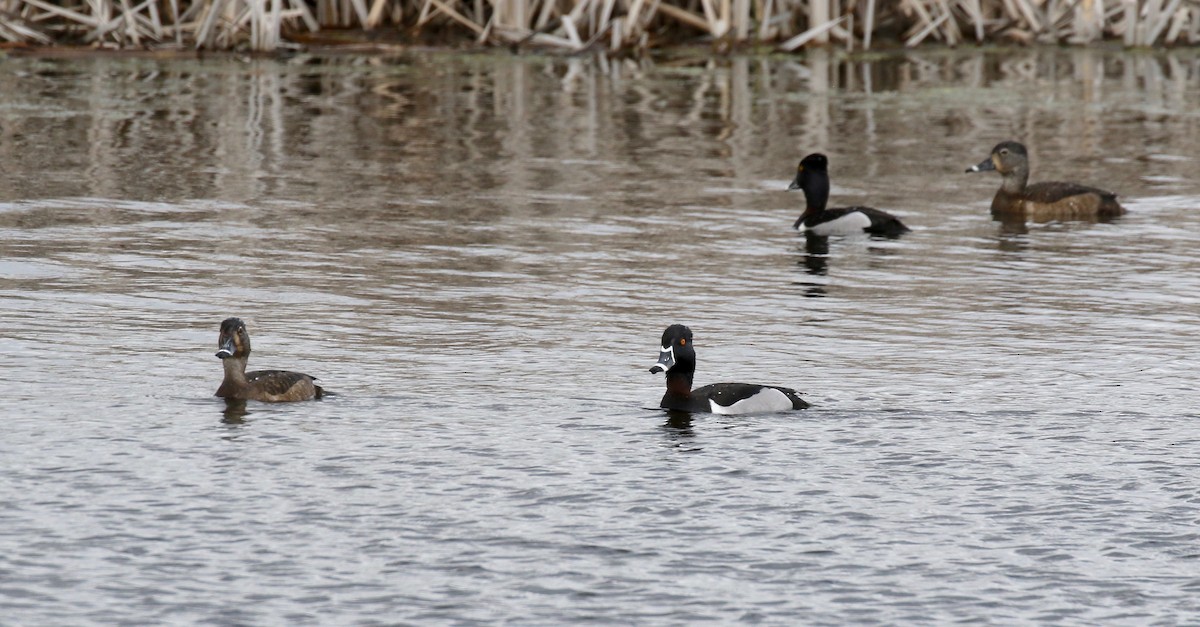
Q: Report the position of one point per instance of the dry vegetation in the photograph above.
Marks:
(613, 25)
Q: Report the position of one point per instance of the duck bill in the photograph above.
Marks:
(987, 165)
(666, 361)
(226, 348)
(795, 182)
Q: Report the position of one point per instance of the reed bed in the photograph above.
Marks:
(611, 25)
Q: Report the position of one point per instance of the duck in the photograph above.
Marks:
(812, 176)
(1041, 202)
(678, 360)
(260, 385)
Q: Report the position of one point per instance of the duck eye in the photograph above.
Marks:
(1003, 151)
(683, 341)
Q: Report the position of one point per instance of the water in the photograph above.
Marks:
(477, 256)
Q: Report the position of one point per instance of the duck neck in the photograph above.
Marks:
(235, 370)
(679, 391)
(816, 194)
(679, 383)
(1015, 180)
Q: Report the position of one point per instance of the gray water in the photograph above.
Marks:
(477, 256)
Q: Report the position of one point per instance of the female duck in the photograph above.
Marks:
(260, 385)
(678, 360)
(812, 176)
(1042, 202)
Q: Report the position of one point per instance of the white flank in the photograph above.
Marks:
(849, 224)
(765, 401)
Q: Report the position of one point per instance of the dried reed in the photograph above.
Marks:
(615, 25)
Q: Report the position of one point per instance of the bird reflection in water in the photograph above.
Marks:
(678, 428)
(1017, 224)
(814, 258)
(1013, 233)
(1012, 242)
(1011, 226)
(235, 412)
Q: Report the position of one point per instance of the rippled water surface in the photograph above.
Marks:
(477, 256)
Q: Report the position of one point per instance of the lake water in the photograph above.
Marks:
(477, 256)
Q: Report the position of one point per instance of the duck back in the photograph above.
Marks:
(1055, 200)
(851, 220)
(748, 398)
(275, 386)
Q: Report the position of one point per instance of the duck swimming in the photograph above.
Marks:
(260, 385)
(678, 359)
(1041, 202)
(812, 176)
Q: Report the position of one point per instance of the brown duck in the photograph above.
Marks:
(260, 385)
(1042, 202)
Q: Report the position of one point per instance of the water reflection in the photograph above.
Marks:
(814, 259)
(463, 243)
(679, 420)
(1012, 239)
(235, 412)
(386, 119)
(679, 430)
(1010, 223)
(815, 254)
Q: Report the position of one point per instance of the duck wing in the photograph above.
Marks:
(749, 398)
(283, 385)
(878, 222)
(882, 222)
(1053, 191)
(1044, 202)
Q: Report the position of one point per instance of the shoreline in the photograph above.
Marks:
(615, 27)
(677, 53)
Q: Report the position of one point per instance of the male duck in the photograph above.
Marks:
(1042, 202)
(812, 176)
(261, 385)
(678, 360)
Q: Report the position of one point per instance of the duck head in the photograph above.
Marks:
(676, 354)
(1006, 157)
(1010, 160)
(234, 341)
(812, 177)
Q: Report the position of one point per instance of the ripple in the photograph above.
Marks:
(1002, 421)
